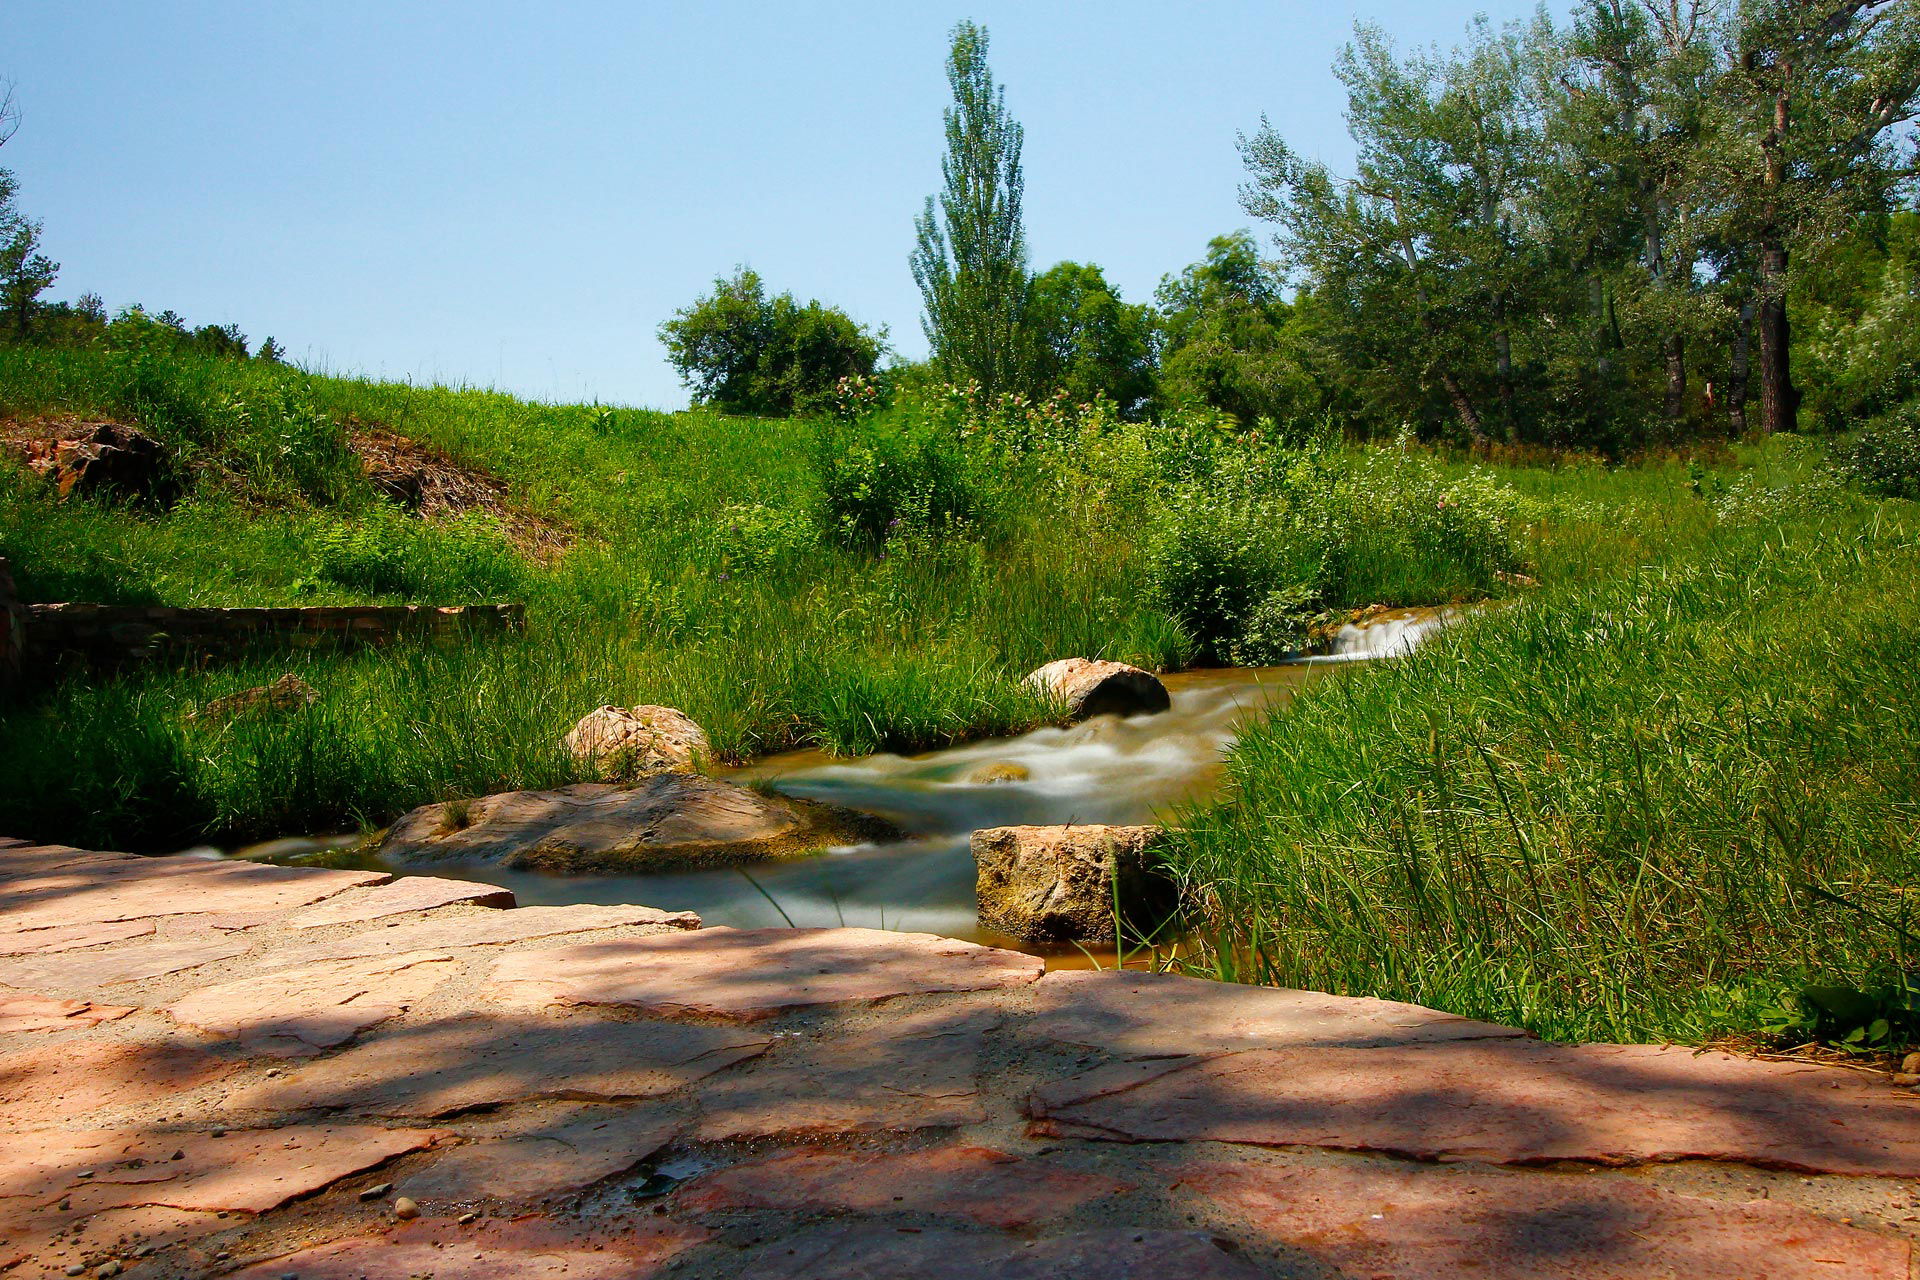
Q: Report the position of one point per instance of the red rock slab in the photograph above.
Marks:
(877, 1253)
(296, 1012)
(461, 1064)
(25, 1011)
(1504, 1102)
(756, 973)
(523, 1249)
(106, 890)
(399, 897)
(47, 1245)
(30, 859)
(58, 1081)
(133, 963)
(248, 1171)
(1160, 1015)
(531, 1160)
(916, 1072)
(1386, 1221)
(496, 929)
(36, 942)
(986, 1186)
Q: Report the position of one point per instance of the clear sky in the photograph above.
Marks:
(516, 195)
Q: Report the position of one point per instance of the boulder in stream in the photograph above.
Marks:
(1058, 884)
(634, 742)
(666, 822)
(1087, 687)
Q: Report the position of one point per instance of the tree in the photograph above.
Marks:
(970, 252)
(1805, 137)
(743, 352)
(1224, 324)
(25, 272)
(1421, 248)
(1088, 342)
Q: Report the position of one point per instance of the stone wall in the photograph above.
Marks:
(107, 635)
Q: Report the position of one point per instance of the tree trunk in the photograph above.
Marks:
(1779, 401)
(1676, 361)
(1463, 407)
(1738, 374)
(1597, 298)
(1503, 367)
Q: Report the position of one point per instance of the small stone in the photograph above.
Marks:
(1910, 1065)
(76, 1268)
(1004, 771)
(467, 1219)
(111, 1268)
(630, 742)
(405, 1209)
(377, 1192)
(1086, 688)
(1908, 1078)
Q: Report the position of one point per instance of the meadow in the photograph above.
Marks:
(1654, 796)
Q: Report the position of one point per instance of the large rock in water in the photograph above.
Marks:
(632, 742)
(667, 821)
(1058, 884)
(1090, 688)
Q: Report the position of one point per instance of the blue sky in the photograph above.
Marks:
(516, 195)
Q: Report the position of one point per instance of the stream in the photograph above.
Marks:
(1104, 770)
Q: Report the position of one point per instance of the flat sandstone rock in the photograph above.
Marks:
(756, 973)
(28, 1011)
(134, 963)
(57, 1081)
(883, 1253)
(116, 889)
(493, 930)
(522, 1249)
(916, 1072)
(665, 821)
(477, 1061)
(296, 1012)
(1376, 1219)
(1161, 1015)
(977, 1183)
(398, 897)
(529, 1160)
(1503, 1102)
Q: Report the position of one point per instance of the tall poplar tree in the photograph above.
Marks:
(970, 255)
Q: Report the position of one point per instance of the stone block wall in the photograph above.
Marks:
(109, 635)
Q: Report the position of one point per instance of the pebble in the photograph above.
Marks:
(467, 1218)
(111, 1268)
(76, 1268)
(1910, 1065)
(1908, 1078)
(404, 1208)
(377, 1191)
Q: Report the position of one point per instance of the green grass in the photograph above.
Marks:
(1652, 800)
(1642, 801)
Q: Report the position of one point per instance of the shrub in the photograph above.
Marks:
(1221, 555)
(1884, 458)
(751, 537)
(890, 473)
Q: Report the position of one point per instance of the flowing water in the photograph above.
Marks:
(1105, 770)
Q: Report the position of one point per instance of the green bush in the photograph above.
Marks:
(752, 537)
(893, 473)
(1885, 457)
(1250, 556)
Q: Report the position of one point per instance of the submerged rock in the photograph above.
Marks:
(1058, 884)
(667, 821)
(1002, 771)
(1090, 688)
(633, 742)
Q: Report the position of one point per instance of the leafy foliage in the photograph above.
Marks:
(743, 352)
